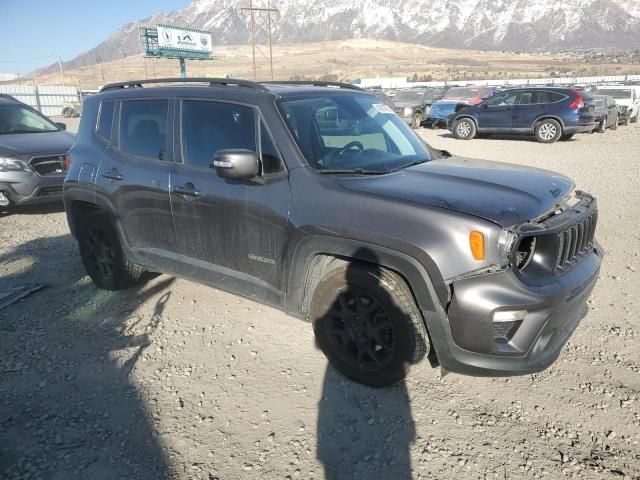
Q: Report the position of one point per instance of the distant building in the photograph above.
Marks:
(7, 76)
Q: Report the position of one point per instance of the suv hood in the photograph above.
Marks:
(499, 192)
(627, 102)
(26, 143)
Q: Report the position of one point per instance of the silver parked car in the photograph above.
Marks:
(32, 154)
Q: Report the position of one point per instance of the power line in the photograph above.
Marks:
(28, 59)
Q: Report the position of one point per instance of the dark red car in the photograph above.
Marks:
(470, 95)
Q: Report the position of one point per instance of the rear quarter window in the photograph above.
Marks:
(105, 120)
(556, 97)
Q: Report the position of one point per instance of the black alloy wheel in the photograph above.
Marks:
(361, 331)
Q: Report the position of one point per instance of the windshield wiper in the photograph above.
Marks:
(358, 171)
(411, 164)
(26, 131)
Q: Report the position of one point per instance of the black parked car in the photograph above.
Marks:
(324, 203)
(32, 154)
(413, 105)
(606, 113)
(551, 114)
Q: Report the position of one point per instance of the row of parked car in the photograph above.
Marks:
(551, 113)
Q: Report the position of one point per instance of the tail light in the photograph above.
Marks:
(577, 102)
(67, 161)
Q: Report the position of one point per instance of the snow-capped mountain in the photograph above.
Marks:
(477, 24)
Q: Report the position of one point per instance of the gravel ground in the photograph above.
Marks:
(177, 380)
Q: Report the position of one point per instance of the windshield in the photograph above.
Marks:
(415, 97)
(351, 132)
(620, 93)
(462, 93)
(16, 118)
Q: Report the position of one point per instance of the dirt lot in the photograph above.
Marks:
(175, 379)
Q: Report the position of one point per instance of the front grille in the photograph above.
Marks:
(46, 191)
(576, 241)
(52, 165)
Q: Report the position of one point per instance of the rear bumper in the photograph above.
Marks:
(552, 313)
(580, 128)
(24, 188)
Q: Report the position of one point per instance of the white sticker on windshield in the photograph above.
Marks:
(382, 107)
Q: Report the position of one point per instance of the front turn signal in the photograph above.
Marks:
(476, 243)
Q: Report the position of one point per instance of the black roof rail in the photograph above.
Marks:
(314, 83)
(213, 82)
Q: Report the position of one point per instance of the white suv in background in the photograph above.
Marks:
(627, 96)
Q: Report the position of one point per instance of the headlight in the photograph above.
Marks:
(505, 242)
(12, 165)
(408, 111)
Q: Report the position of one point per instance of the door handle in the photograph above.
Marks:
(188, 190)
(113, 174)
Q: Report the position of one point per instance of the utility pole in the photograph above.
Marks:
(60, 66)
(251, 10)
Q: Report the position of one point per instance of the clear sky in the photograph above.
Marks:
(33, 29)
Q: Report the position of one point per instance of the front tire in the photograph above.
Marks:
(102, 254)
(416, 121)
(614, 125)
(635, 119)
(367, 324)
(548, 131)
(464, 129)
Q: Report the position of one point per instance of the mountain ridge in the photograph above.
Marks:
(516, 25)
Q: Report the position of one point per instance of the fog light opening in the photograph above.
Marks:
(504, 332)
(4, 200)
(506, 324)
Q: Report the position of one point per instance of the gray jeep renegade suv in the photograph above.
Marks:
(317, 199)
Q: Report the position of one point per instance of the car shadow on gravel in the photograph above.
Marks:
(365, 432)
(68, 408)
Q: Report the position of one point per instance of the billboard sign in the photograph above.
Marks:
(181, 39)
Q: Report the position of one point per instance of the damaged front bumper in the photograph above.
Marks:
(515, 321)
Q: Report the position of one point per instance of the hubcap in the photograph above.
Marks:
(99, 252)
(360, 330)
(548, 131)
(464, 129)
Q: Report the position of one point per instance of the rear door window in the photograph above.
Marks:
(143, 128)
(533, 97)
(105, 121)
(211, 126)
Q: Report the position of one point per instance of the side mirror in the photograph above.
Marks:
(62, 126)
(236, 163)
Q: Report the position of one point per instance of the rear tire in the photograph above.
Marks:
(603, 126)
(464, 129)
(102, 254)
(548, 131)
(614, 125)
(367, 324)
(625, 122)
